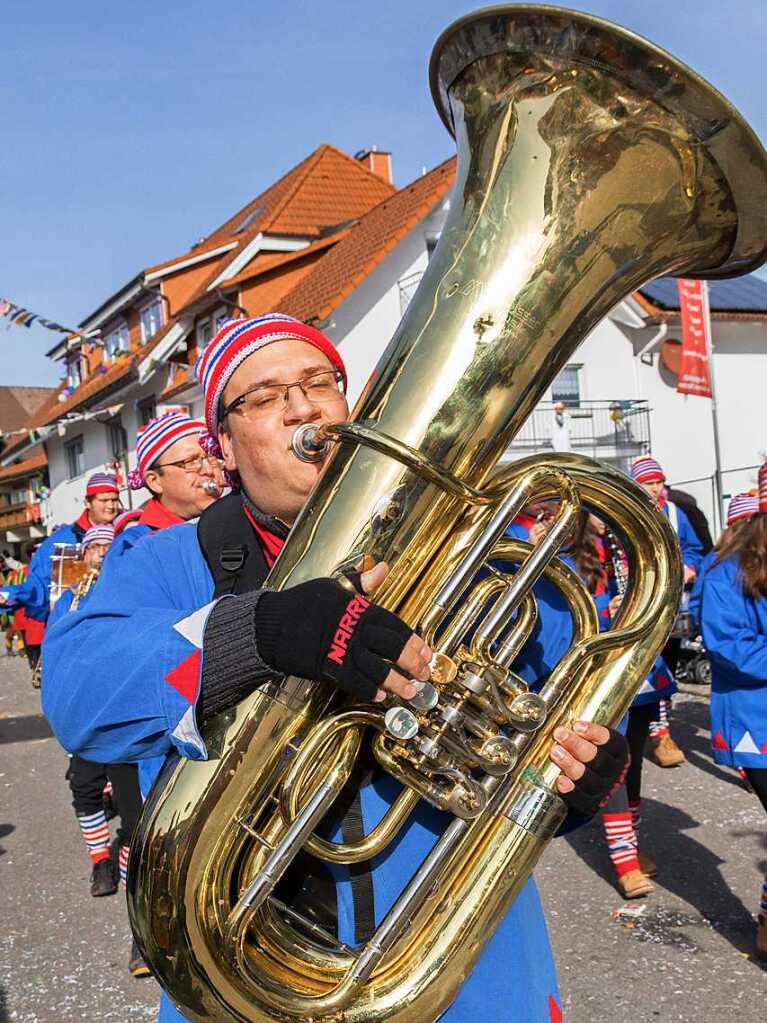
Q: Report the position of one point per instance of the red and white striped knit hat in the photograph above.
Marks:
(647, 470)
(742, 506)
(100, 483)
(156, 437)
(235, 341)
(763, 488)
(98, 534)
(124, 518)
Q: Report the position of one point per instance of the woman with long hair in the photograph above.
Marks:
(733, 614)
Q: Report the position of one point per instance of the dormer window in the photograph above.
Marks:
(151, 319)
(116, 342)
(74, 370)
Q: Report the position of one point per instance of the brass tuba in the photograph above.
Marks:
(589, 162)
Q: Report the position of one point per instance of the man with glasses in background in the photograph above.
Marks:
(180, 477)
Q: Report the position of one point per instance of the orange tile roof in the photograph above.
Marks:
(326, 189)
(347, 264)
(263, 262)
(196, 250)
(36, 461)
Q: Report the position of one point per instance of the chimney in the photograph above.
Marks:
(377, 162)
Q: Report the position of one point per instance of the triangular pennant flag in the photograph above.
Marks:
(747, 745)
(720, 744)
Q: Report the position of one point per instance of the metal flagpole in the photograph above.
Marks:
(714, 417)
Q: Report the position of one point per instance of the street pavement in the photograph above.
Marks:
(684, 954)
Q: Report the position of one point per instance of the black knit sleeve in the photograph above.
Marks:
(232, 666)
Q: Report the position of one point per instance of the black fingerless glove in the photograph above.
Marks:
(601, 778)
(319, 630)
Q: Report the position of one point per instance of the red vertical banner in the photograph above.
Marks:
(694, 376)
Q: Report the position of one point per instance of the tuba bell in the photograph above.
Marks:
(589, 162)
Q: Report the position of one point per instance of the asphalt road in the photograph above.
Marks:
(687, 955)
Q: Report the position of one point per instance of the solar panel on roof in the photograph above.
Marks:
(740, 295)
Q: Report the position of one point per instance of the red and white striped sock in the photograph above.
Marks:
(124, 850)
(96, 834)
(635, 807)
(621, 841)
(660, 726)
(763, 903)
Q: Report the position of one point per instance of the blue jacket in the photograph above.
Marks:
(34, 593)
(549, 642)
(735, 635)
(143, 630)
(696, 594)
(692, 548)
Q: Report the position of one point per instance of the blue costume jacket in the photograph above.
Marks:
(557, 630)
(34, 593)
(692, 548)
(143, 629)
(696, 596)
(735, 635)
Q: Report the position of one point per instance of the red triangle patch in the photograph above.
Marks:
(661, 680)
(763, 748)
(554, 1011)
(720, 744)
(185, 677)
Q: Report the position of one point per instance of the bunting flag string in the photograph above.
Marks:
(19, 316)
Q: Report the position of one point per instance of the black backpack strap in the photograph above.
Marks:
(352, 830)
(231, 548)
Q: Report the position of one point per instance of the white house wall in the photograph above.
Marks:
(65, 501)
(363, 325)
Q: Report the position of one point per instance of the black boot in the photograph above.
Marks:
(103, 879)
(136, 963)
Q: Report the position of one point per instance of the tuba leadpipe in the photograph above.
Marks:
(589, 162)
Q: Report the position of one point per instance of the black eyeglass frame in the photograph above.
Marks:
(233, 406)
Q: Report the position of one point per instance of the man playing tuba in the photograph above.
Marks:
(184, 631)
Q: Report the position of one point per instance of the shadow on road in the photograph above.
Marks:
(4, 1017)
(690, 727)
(24, 729)
(5, 829)
(687, 869)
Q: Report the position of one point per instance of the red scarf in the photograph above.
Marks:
(84, 521)
(156, 516)
(271, 545)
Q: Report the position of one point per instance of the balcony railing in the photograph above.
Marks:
(12, 515)
(615, 431)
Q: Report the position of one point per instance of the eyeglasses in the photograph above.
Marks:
(194, 464)
(322, 387)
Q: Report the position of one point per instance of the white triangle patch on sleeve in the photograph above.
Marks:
(646, 687)
(747, 745)
(192, 628)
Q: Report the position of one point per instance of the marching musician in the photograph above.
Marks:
(102, 503)
(87, 779)
(175, 470)
(733, 614)
(184, 631)
(649, 474)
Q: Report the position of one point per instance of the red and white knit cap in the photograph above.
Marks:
(647, 470)
(100, 483)
(237, 339)
(98, 534)
(156, 437)
(742, 506)
(763, 488)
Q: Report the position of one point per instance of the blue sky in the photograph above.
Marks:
(131, 130)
